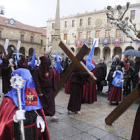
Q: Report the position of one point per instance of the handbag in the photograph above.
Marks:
(103, 82)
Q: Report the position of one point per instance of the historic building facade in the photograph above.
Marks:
(31, 37)
(80, 28)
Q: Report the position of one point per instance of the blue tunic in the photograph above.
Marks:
(117, 81)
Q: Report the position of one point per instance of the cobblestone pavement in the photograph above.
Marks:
(90, 125)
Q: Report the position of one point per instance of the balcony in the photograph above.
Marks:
(22, 41)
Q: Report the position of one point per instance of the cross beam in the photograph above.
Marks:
(83, 51)
(122, 107)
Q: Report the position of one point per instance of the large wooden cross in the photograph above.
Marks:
(75, 62)
(122, 107)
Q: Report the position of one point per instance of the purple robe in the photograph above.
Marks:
(136, 127)
(23, 63)
(78, 79)
(6, 76)
(45, 84)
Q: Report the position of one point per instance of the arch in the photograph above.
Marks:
(97, 52)
(22, 50)
(118, 51)
(31, 50)
(106, 52)
(129, 47)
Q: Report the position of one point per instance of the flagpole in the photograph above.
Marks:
(17, 83)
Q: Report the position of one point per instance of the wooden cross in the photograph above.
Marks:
(122, 107)
(75, 62)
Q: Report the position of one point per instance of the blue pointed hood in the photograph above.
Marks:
(58, 66)
(27, 90)
(0, 61)
(33, 63)
(17, 58)
(89, 63)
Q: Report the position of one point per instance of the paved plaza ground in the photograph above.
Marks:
(90, 125)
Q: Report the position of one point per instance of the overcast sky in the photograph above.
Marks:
(37, 12)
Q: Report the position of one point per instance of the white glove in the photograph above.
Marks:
(40, 123)
(19, 115)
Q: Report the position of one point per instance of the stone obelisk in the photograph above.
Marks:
(56, 36)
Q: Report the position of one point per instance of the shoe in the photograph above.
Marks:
(69, 112)
(54, 118)
(78, 112)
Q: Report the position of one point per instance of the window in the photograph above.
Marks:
(132, 14)
(32, 39)
(88, 35)
(108, 20)
(80, 35)
(65, 36)
(107, 33)
(81, 22)
(41, 43)
(52, 25)
(97, 33)
(118, 33)
(89, 21)
(22, 37)
(73, 23)
(52, 37)
(65, 24)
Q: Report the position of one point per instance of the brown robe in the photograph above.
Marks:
(78, 79)
(6, 76)
(45, 84)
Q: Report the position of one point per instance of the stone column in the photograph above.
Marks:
(56, 35)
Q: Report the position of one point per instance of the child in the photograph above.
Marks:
(116, 89)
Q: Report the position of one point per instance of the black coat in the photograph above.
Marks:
(101, 70)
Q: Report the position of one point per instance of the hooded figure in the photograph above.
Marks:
(78, 79)
(89, 91)
(35, 125)
(32, 64)
(16, 62)
(89, 63)
(57, 69)
(6, 75)
(58, 66)
(45, 86)
(22, 63)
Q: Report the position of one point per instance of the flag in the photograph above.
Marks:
(18, 45)
(97, 42)
(58, 66)
(78, 43)
(6, 45)
(16, 62)
(33, 63)
(89, 63)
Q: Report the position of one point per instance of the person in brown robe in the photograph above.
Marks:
(136, 127)
(78, 79)
(6, 75)
(45, 86)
